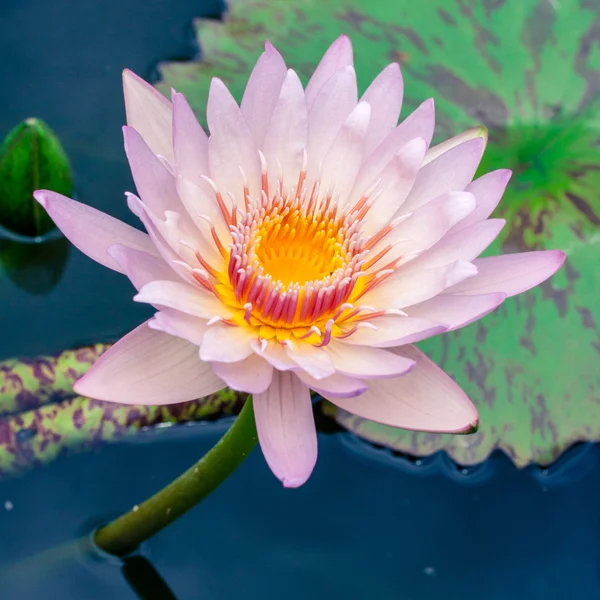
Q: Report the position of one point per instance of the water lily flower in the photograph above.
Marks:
(305, 244)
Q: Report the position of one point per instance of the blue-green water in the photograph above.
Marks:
(367, 525)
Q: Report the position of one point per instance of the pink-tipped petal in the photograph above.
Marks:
(385, 97)
(149, 113)
(262, 92)
(184, 297)
(92, 231)
(286, 429)
(335, 101)
(419, 124)
(140, 267)
(155, 185)
(149, 367)
(451, 171)
(337, 56)
(226, 343)
(488, 190)
(465, 136)
(190, 142)
(364, 362)
(394, 330)
(231, 147)
(511, 273)
(456, 311)
(286, 137)
(338, 385)
(180, 325)
(252, 375)
(426, 399)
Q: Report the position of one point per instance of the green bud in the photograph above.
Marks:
(31, 158)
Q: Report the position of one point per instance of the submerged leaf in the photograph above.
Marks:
(529, 72)
(31, 158)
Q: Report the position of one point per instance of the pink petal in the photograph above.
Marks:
(141, 267)
(450, 172)
(335, 101)
(190, 142)
(286, 136)
(338, 56)
(365, 362)
(511, 273)
(465, 136)
(419, 124)
(424, 400)
(179, 324)
(488, 190)
(252, 375)
(461, 244)
(92, 231)
(315, 361)
(226, 343)
(262, 92)
(149, 367)
(231, 145)
(155, 185)
(405, 289)
(149, 113)
(385, 97)
(394, 330)
(338, 385)
(456, 311)
(396, 181)
(184, 297)
(344, 157)
(286, 429)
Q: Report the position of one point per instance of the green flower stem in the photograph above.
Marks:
(125, 534)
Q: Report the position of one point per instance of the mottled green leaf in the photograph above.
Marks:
(42, 418)
(530, 71)
(31, 158)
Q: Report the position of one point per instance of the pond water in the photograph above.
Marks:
(366, 525)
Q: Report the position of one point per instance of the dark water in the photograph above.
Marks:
(367, 525)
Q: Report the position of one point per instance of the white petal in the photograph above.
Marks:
(227, 343)
(179, 324)
(366, 362)
(470, 134)
(252, 375)
(338, 385)
(315, 361)
(394, 330)
(184, 297)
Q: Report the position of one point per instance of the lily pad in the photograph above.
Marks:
(530, 71)
(41, 417)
